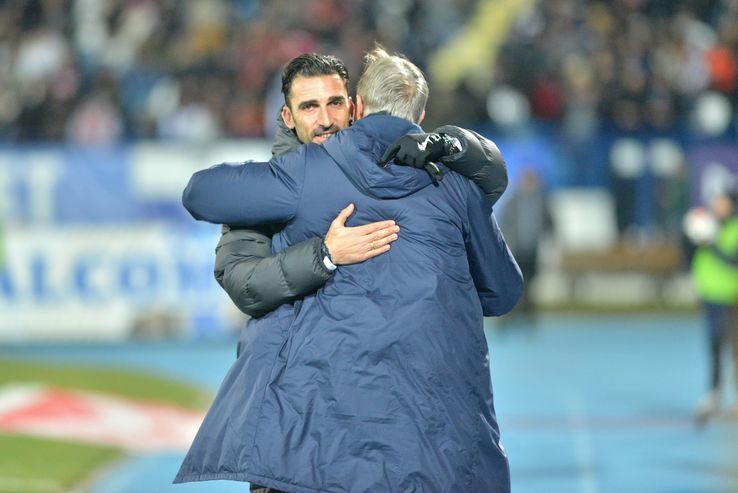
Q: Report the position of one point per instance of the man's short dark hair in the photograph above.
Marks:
(312, 65)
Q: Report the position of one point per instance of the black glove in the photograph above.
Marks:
(418, 150)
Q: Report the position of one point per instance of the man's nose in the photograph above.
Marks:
(324, 117)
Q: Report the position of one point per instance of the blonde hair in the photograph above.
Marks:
(393, 84)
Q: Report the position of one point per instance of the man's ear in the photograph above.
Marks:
(359, 108)
(287, 117)
(352, 110)
(422, 116)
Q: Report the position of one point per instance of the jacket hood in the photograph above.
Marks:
(358, 149)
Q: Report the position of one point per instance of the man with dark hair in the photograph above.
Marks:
(314, 75)
(379, 381)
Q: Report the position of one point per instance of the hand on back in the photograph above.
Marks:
(350, 245)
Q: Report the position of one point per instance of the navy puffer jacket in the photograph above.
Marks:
(380, 381)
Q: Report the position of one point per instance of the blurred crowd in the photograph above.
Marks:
(100, 71)
(629, 65)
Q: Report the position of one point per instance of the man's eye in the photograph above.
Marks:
(337, 103)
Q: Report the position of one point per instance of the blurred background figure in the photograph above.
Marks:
(715, 272)
(524, 222)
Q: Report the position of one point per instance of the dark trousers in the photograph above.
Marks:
(722, 326)
(528, 267)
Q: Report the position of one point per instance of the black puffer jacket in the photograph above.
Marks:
(257, 281)
(479, 160)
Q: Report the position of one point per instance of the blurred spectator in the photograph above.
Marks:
(525, 219)
(672, 188)
(193, 118)
(715, 272)
(97, 120)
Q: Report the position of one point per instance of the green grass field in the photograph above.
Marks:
(34, 465)
(44, 466)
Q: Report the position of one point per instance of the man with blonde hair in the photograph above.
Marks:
(379, 381)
